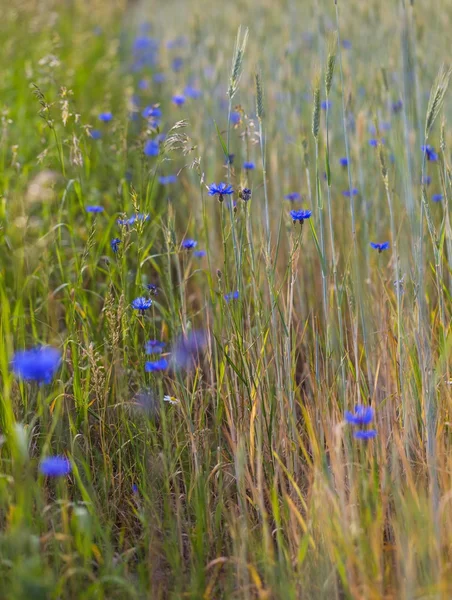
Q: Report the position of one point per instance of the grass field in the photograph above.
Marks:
(229, 391)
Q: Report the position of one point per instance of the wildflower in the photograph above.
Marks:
(249, 166)
(231, 296)
(170, 399)
(177, 64)
(426, 180)
(152, 289)
(397, 106)
(143, 84)
(55, 466)
(94, 208)
(346, 44)
(199, 253)
(235, 117)
(343, 161)
(380, 247)
(37, 364)
(95, 134)
(300, 215)
(105, 117)
(130, 221)
(141, 304)
(192, 92)
(229, 160)
(167, 179)
(364, 434)
(354, 192)
(189, 244)
(135, 489)
(430, 152)
(220, 190)
(292, 196)
(179, 100)
(245, 194)
(437, 197)
(152, 148)
(157, 365)
(186, 351)
(159, 77)
(325, 104)
(362, 416)
(151, 112)
(374, 142)
(115, 244)
(154, 347)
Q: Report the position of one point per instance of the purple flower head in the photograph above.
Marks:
(154, 347)
(292, 196)
(236, 117)
(426, 180)
(177, 64)
(249, 166)
(192, 92)
(143, 84)
(115, 244)
(159, 77)
(37, 364)
(343, 161)
(363, 415)
(397, 106)
(325, 104)
(231, 296)
(141, 304)
(94, 208)
(153, 366)
(178, 100)
(245, 194)
(380, 247)
(151, 148)
(347, 194)
(430, 152)
(167, 179)
(364, 434)
(300, 215)
(220, 190)
(187, 349)
(133, 219)
(437, 197)
(152, 289)
(105, 117)
(346, 44)
(55, 466)
(152, 112)
(189, 244)
(199, 253)
(95, 134)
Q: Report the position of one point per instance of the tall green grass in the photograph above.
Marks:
(251, 484)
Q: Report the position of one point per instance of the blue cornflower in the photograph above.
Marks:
(374, 142)
(231, 296)
(143, 84)
(343, 161)
(115, 244)
(178, 100)
(186, 351)
(363, 415)
(245, 194)
(346, 44)
(156, 365)
(154, 347)
(159, 77)
(236, 117)
(55, 466)
(430, 152)
(347, 192)
(95, 134)
(229, 160)
(152, 289)
(199, 253)
(426, 180)
(437, 197)
(105, 117)
(292, 196)
(141, 304)
(152, 148)
(220, 190)
(130, 221)
(192, 92)
(189, 244)
(37, 364)
(300, 215)
(167, 179)
(380, 247)
(364, 434)
(325, 104)
(135, 489)
(177, 64)
(94, 208)
(152, 112)
(397, 106)
(249, 166)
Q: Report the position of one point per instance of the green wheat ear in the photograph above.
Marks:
(437, 94)
(316, 109)
(259, 97)
(237, 61)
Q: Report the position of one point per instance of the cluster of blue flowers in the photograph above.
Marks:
(362, 417)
